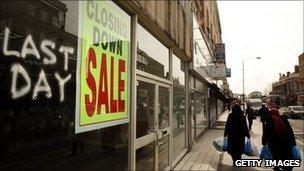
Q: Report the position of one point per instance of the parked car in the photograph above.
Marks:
(256, 105)
(294, 111)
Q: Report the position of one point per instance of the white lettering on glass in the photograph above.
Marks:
(18, 69)
(61, 83)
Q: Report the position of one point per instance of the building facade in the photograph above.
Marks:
(255, 95)
(301, 81)
(286, 89)
(105, 84)
(207, 94)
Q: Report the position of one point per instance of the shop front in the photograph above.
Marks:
(92, 85)
(207, 100)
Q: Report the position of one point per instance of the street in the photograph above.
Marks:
(298, 128)
(204, 156)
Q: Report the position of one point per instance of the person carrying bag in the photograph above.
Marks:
(236, 130)
(279, 137)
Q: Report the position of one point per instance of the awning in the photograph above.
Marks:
(218, 93)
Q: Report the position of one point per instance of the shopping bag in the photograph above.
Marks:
(296, 153)
(247, 148)
(265, 153)
(250, 149)
(220, 144)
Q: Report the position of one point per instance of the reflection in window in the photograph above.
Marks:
(179, 106)
(198, 108)
(145, 109)
(201, 56)
(31, 10)
(152, 56)
(55, 21)
(200, 111)
(44, 15)
(39, 133)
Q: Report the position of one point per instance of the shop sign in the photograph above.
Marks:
(228, 72)
(220, 52)
(217, 71)
(103, 54)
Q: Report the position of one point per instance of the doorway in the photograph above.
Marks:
(152, 124)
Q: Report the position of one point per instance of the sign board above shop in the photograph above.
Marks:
(220, 53)
(217, 71)
(228, 72)
(103, 73)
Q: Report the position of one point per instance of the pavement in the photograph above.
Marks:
(203, 155)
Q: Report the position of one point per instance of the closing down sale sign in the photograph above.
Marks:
(103, 45)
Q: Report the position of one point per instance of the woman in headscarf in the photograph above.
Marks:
(279, 137)
(236, 130)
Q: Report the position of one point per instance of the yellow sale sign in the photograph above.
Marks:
(104, 43)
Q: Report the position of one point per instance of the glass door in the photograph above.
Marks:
(163, 126)
(152, 125)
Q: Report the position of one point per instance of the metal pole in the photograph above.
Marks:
(243, 86)
(132, 125)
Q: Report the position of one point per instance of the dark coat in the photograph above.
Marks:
(250, 113)
(236, 129)
(263, 113)
(280, 144)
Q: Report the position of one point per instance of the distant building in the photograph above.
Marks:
(287, 88)
(301, 81)
(150, 65)
(255, 95)
(209, 21)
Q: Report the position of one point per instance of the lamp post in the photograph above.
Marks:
(244, 79)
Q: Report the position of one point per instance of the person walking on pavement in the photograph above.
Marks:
(250, 115)
(263, 113)
(279, 137)
(236, 130)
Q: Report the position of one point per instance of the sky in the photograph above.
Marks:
(272, 30)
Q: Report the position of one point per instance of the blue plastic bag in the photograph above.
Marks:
(265, 153)
(220, 144)
(225, 144)
(248, 149)
(296, 153)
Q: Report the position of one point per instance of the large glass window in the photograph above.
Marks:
(200, 105)
(152, 55)
(201, 54)
(179, 106)
(198, 108)
(37, 108)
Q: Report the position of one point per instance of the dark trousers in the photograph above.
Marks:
(236, 157)
(250, 123)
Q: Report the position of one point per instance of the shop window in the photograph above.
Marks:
(152, 55)
(44, 16)
(31, 10)
(179, 107)
(55, 21)
(38, 124)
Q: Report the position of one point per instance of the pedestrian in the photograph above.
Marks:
(279, 137)
(263, 113)
(250, 115)
(236, 130)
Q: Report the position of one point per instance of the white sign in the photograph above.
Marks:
(217, 71)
